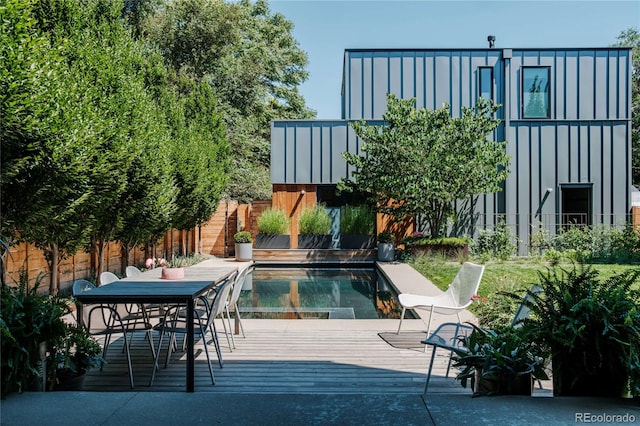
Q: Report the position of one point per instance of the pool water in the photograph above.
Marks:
(318, 294)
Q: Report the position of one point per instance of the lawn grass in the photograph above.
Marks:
(510, 275)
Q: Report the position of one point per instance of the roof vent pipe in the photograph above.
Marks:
(492, 40)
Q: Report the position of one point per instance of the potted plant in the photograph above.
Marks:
(29, 321)
(273, 230)
(357, 224)
(315, 228)
(243, 245)
(72, 356)
(503, 361)
(386, 250)
(591, 328)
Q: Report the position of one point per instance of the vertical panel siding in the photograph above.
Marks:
(380, 86)
(355, 87)
(586, 81)
(585, 140)
(601, 81)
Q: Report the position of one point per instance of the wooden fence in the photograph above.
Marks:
(213, 238)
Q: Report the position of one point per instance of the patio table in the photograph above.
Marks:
(149, 287)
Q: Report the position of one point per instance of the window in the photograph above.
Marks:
(576, 205)
(485, 83)
(535, 92)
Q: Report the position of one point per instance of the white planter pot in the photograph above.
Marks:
(244, 251)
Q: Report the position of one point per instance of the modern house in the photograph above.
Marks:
(566, 117)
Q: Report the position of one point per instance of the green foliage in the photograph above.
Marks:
(200, 156)
(591, 327)
(252, 62)
(386, 237)
(357, 220)
(596, 244)
(27, 318)
(441, 241)
(315, 221)
(494, 310)
(273, 222)
(73, 354)
(422, 160)
(494, 243)
(184, 261)
(243, 237)
(102, 140)
(501, 355)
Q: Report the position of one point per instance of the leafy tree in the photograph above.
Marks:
(254, 65)
(201, 157)
(631, 38)
(49, 169)
(422, 161)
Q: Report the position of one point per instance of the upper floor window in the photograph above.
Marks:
(485, 82)
(535, 92)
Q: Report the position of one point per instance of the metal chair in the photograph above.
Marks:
(108, 277)
(132, 271)
(104, 320)
(455, 299)
(449, 335)
(232, 303)
(175, 322)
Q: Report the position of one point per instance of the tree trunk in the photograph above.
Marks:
(53, 267)
(99, 245)
(124, 258)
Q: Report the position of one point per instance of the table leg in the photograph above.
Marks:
(190, 347)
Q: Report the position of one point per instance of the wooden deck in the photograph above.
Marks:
(293, 356)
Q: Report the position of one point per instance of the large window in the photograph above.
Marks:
(535, 92)
(485, 83)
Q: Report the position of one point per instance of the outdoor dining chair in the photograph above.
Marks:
(108, 277)
(175, 322)
(453, 301)
(152, 310)
(232, 303)
(109, 320)
(132, 271)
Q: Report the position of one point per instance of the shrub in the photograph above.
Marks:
(357, 220)
(494, 243)
(184, 261)
(27, 319)
(315, 221)
(500, 356)
(591, 327)
(273, 222)
(386, 237)
(242, 237)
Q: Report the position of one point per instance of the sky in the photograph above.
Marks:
(325, 28)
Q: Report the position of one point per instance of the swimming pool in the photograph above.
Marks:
(318, 293)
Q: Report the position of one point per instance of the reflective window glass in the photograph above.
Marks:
(535, 92)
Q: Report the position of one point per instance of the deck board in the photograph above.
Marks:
(289, 356)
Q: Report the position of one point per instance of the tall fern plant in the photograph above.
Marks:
(591, 328)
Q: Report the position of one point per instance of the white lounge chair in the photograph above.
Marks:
(455, 299)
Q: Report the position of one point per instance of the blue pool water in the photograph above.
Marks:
(318, 293)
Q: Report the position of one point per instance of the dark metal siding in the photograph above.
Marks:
(586, 140)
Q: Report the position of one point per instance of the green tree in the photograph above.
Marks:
(49, 167)
(201, 157)
(631, 38)
(254, 65)
(422, 161)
